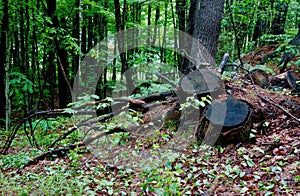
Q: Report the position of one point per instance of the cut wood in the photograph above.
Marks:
(285, 80)
(200, 82)
(225, 122)
(259, 77)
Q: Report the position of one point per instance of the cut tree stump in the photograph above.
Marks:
(225, 123)
(201, 82)
(259, 77)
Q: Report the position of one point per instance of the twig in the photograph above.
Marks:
(62, 151)
(63, 136)
(103, 119)
(213, 187)
(167, 79)
(21, 122)
(270, 101)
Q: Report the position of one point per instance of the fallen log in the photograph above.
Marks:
(285, 80)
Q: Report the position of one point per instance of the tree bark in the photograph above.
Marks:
(206, 28)
(62, 55)
(121, 45)
(209, 24)
(3, 46)
(194, 7)
(192, 18)
(76, 32)
(157, 15)
(181, 15)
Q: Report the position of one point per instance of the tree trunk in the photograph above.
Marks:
(162, 48)
(76, 32)
(278, 22)
(192, 18)
(259, 29)
(90, 33)
(181, 14)
(121, 46)
(62, 55)
(3, 46)
(149, 23)
(194, 7)
(157, 15)
(225, 123)
(209, 24)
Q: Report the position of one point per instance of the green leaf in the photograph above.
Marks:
(178, 166)
(11, 92)
(123, 143)
(242, 174)
(269, 193)
(269, 187)
(251, 136)
(188, 104)
(202, 104)
(276, 169)
(106, 183)
(95, 96)
(70, 111)
(250, 163)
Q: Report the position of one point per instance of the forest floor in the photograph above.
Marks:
(268, 166)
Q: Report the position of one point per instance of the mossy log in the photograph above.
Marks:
(225, 123)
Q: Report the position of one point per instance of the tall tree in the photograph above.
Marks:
(278, 22)
(121, 44)
(204, 24)
(3, 46)
(64, 86)
(191, 23)
(76, 32)
(181, 14)
(209, 24)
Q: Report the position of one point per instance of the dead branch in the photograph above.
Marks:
(167, 79)
(223, 63)
(140, 103)
(29, 116)
(63, 151)
(270, 101)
